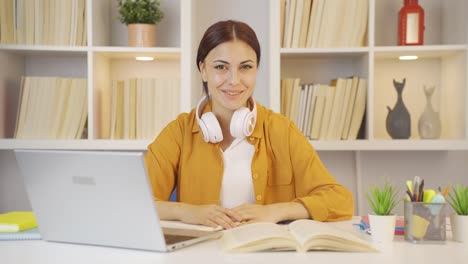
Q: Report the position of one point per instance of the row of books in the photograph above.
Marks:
(325, 112)
(52, 108)
(323, 23)
(43, 22)
(142, 107)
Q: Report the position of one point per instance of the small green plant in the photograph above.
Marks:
(459, 199)
(139, 11)
(382, 200)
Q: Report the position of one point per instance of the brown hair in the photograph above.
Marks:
(225, 31)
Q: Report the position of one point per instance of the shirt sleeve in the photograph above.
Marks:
(324, 198)
(162, 161)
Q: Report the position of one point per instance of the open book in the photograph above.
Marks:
(300, 235)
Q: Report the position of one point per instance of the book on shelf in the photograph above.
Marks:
(297, 24)
(305, 23)
(329, 97)
(300, 235)
(314, 130)
(141, 107)
(344, 107)
(7, 23)
(17, 221)
(323, 24)
(51, 108)
(41, 22)
(29, 234)
(359, 108)
(301, 107)
(336, 111)
(359, 38)
(310, 107)
(353, 81)
(289, 23)
(282, 15)
(286, 88)
(294, 105)
(315, 23)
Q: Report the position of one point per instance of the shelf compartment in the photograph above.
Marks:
(120, 64)
(445, 22)
(321, 68)
(68, 63)
(109, 31)
(444, 67)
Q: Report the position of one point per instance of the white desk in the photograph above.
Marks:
(400, 251)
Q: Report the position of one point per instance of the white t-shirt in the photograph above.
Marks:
(237, 187)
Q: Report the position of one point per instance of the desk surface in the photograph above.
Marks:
(399, 251)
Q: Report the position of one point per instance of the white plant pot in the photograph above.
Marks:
(382, 227)
(459, 227)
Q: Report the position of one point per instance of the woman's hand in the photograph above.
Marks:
(251, 213)
(210, 215)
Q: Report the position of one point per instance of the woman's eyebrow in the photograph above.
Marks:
(225, 62)
(247, 61)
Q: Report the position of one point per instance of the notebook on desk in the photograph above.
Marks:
(98, 198)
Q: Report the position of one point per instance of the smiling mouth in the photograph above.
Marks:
(233, 92)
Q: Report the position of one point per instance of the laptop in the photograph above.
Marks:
(98, 198)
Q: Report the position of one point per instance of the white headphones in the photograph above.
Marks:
(242, 122)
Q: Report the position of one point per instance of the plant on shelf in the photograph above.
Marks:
(459, 221)
(382, 201)
(141, 18)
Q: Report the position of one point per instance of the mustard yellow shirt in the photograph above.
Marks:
(285, 167)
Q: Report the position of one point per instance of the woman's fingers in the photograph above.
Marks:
(235, 216)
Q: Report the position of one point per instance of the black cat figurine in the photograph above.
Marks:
(398, 121)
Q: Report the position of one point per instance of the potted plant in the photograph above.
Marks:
(141, 18)
(382, 201)
(459, 221)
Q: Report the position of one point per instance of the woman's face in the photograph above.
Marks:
(230, 70)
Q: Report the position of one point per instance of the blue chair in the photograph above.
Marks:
(173, 196)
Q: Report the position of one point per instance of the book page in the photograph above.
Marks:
(314, 235)
(258, 237)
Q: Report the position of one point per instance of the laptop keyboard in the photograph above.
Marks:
(172, 239)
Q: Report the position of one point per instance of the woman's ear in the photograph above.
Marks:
(202, 67)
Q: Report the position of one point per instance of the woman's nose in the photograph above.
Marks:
(234, 77)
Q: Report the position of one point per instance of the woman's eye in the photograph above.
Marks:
(220, 67)
(246, 67)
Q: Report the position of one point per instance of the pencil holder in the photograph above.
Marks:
(425, 222)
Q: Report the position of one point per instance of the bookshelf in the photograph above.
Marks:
(106, 56)
(442, 62)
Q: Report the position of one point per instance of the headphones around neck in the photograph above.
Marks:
(242, 122)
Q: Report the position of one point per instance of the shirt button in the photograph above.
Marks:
(259, 197)
(251, 139)
(255, 176)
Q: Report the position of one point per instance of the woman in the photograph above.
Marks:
(231, 159)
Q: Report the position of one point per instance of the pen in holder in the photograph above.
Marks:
(425, 222)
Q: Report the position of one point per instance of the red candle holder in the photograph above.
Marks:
(411, 24)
